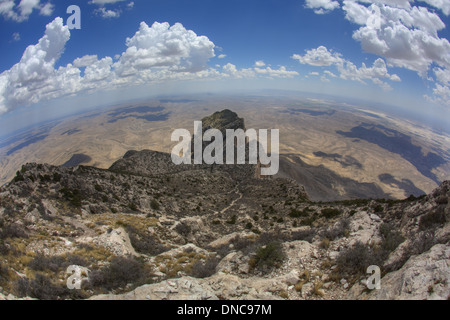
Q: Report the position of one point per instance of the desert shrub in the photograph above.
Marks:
(204, 270)
(42, 263)
(308, 221)
(324, 244)
(294, 213)
(120, 272)
(21, 287)
(422, 242)
(13, 231)
(304, 235)
(4, 248)
(330, 212)
(391, 238)
(442, 200)
(432, 219)
(232, 220)
(3, 271)
(143, 242)
(73, 196)
(183, 229)
(44, 289)
(355, 260)
(340, 230)
(378, 208)
(73, 259)
(154, 204)
(41, 287)
(268, 257)
(133, 206)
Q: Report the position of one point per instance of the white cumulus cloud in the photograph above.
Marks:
(322, 57)
(107, 13)
(322, 6)
(21, 11)
(443, 5)
(32, 77)
(260, 63)
(405, 33)
(154, 54)
(162, 45)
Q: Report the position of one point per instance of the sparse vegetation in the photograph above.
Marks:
(355, 260)
(154, 204)
(12, 230)
(183, 229)
(330, 212)
(432, 219)
(120, 272)
(268, 257)
(143, 242)
(391, 237)
(305, 235)
(204, 270)
(40, 287)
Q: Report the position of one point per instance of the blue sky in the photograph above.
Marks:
(322, 46)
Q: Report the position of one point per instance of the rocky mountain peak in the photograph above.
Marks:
(223, 120)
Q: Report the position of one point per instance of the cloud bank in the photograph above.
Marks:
(154, 54)
(406, 36)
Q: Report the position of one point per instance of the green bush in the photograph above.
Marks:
(294, 213)
(204, 270)
(432, 219)
(330, 212)
(391, 238)
(355, 260)
(304, 235)
(42, 263)
(120, 272)
(41, 287)
(154, 204)
(144, 242)
(232, 220)
(13, 231)
(183, 229)
(268, 257)
(378, 208)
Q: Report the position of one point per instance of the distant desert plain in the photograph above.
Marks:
(335, 150)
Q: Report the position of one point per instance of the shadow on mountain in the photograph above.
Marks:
(347, 161)
(399, 143)
(314, 113)
(404, 184)
(141, 112)
(76, 160)
(26, 143)
(322, 184)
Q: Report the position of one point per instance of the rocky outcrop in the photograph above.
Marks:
(423, 277)
(117, 241)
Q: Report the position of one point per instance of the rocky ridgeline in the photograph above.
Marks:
(146, 229)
